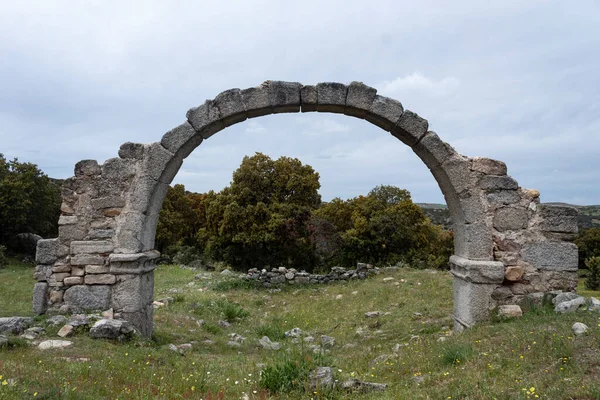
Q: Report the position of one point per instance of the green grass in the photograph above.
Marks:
(501, 360)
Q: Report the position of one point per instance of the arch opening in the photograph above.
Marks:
(507, 246)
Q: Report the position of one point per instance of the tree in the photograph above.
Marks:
(262, 217)
(588, 244)
(180, 218)
(29, 201)
(385, 227)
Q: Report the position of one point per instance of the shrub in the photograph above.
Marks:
(289, 372)
(273, 330)
(3, 258)
(456, 354)
(592, 282)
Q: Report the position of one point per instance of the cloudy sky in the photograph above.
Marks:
(518, 81)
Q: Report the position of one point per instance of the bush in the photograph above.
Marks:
(3, 258)
(592, 282)
(290, 372)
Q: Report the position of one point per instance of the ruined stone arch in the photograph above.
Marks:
(507, 246)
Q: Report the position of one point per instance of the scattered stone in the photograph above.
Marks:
(112, 329)
(66, 331)
(510, 311)
(3, 341)
(579, 328)
(226, 272)
(200, 322)
(388, 279)
(267, 344)
(380, 359)
(327, 341)
(321, 379)
(564, 296)
(56, 320)
(442, 339)
(418, 379)
(594, 304)
(78, 320)
(569, 305)
(231, 343)
(339, 297)
(236, 337)
(108, 314)
(14, 325)
(309, 339)
(54, 344)
(355, 385)
(174, 348)
(157, 304)
(294, 333)
(373, 314)
(224, 324)
(208, 342)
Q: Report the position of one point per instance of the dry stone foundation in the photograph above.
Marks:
(507, 245)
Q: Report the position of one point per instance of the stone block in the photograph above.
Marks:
(205, 119)
(477, 271)
(133, 294)
(550, 255)
(91, 247)
(503, 197)
(142, 320)
(42, 273)
(488, 166)
(257, 100)
(100, 234)
(331, 97)
(67, 220)
(56, 296)
(73, 280)
(284, 96)
(308, 98)
(231, 107)
(108, 202)
(100, 279)
(509, 311)
(40, 298)
(433, 151)
(97, 269)
(61, 268)
(410, 128)
(68, 233)
(510, 219)
(131, 150)
(77, 271)
(87, 168)
(177, 137)
(160, 164)
(384, 113)
(117, 170)
(473, 208)
(473, 241)
(85, 259)
(472, 303)
(48, 251)
(514, 273)
(559, 219)
(59, 276)
(359, 99)
(86, 297)
(498, 182)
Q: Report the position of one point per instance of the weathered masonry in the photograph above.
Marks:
(507, 246)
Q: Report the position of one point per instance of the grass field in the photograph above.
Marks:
(536, 356)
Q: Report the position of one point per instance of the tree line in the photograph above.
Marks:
(272, 215)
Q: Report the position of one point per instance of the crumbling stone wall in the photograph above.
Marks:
(507, 245)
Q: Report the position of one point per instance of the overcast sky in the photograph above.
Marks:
(518, 81)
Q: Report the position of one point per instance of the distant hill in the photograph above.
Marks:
(589, 216)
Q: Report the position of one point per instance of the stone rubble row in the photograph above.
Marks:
(291, 276)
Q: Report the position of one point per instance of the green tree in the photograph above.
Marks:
(179, 219)
(588, 244)
(385, 227)
(29, 201)
(592, 281)
(262, 217)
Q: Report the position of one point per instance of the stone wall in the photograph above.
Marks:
(291, 276)
(507, 245)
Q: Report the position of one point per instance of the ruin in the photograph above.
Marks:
(508, 247)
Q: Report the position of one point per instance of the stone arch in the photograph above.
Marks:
(506, 245)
